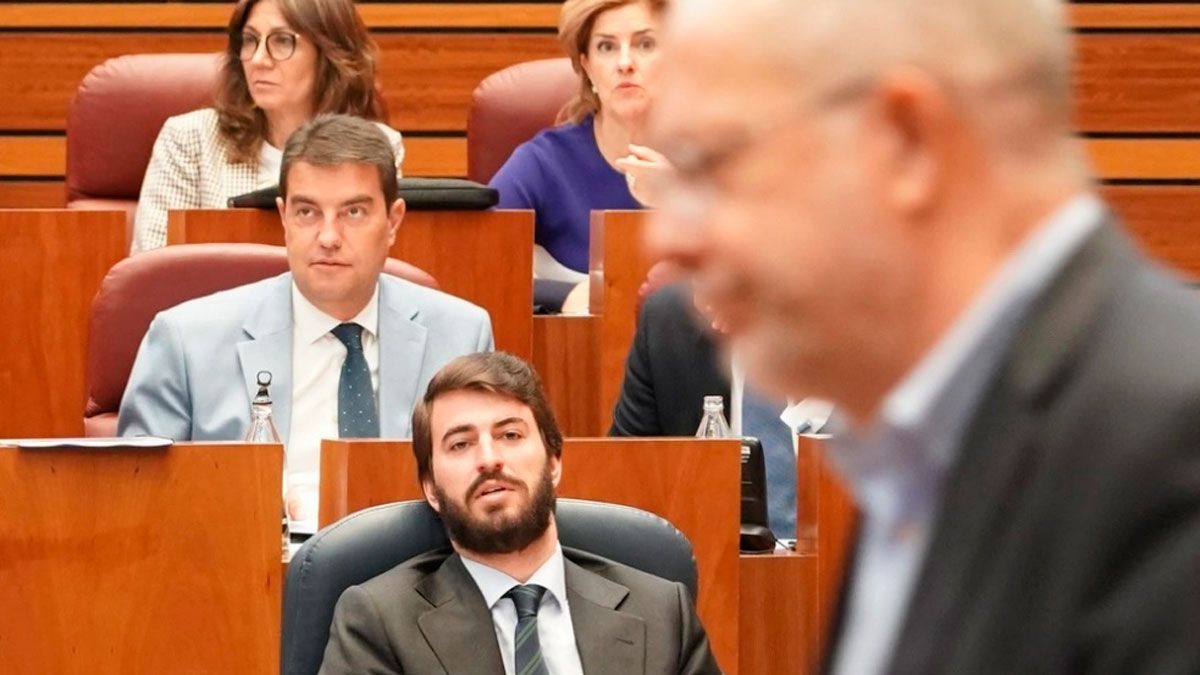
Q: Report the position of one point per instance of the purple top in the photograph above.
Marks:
(562, 176)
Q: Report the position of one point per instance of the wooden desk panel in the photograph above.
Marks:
(482, 256)
(618, 267)
(826, 518)
(51, 264)
(566, 354)
(140, 561)
(779, 624)
(358, 474)
(789, 599)
(692, 483)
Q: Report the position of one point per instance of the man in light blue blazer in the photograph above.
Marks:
(195, 371)
(350, 349)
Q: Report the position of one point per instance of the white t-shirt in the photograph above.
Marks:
(270, 159)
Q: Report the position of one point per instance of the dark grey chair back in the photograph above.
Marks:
(368, 543)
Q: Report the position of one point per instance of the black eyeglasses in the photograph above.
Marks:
(281, 45)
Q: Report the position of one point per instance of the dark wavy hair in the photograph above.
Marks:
(575, 23)
(345, 82)
(496, 372)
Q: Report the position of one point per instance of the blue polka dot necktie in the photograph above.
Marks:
(357, 415)
(527, 651)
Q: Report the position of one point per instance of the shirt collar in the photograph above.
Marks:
(924, 417)
(310, 324)
(493, 583)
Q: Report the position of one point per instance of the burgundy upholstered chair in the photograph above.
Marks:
(117, 113)
(141, 286)
(510, 106)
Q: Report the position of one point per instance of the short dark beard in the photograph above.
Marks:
(501, 534)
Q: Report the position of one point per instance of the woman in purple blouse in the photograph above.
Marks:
(583, 164)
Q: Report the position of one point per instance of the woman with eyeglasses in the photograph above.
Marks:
(593, 159)
(286, 62)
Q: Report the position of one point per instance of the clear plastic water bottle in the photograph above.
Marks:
(262, 430)
(714, 424)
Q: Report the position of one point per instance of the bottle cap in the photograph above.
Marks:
(264, 381)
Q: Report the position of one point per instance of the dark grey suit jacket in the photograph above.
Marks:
(671, 367)
(1068, 538)
(427, 616)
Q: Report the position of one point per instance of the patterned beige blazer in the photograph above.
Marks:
(189, 169)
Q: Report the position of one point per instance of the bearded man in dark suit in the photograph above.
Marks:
(508, 598)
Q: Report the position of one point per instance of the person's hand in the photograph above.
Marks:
(644, 168)
(577, 300)
(300, 500)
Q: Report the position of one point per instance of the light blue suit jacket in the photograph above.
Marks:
(196, 369)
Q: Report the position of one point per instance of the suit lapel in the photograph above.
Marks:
(1001, 451)
(401, 353)
(610, 642)
(999, 454)
(269, 347)
(459, 628)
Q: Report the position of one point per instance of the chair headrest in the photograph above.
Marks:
(118, 111)
(510, 106)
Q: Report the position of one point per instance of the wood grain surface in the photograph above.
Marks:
(485, 257)
(51, 265)
(140, 561)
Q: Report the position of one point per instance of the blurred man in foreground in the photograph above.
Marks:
(884, 202)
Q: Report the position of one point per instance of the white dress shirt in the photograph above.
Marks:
(317, 357)
(556, 634)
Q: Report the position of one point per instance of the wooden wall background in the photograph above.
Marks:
(1137, 87)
